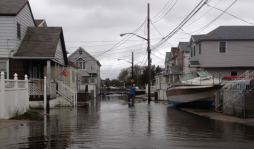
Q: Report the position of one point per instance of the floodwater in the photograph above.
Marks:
(111, 123)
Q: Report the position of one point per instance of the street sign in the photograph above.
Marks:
(132, 81)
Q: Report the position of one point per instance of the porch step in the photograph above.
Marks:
(83, 97)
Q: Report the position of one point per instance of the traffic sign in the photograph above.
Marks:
(132, 81)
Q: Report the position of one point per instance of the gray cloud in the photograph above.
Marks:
(104, 20)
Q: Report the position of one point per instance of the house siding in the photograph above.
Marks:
(238, 54)
(198, 57)
(186, 61)
(7, 35)
(227, 71)
(89, 64)
(25, 19)
(59, 58)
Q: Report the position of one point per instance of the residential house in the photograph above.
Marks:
(88, 72)
(167, 61)
(227, 50)
(70, 78)
(28, 49)
(173, 56)
(183, 55)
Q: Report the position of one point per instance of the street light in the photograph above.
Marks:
(133, 34)
(131, 64)
(148, 51)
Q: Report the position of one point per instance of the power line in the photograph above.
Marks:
(189, 16)
(202, 15)
(162, 9)
(231, 15)
(158, 19)
(206, 26)
(123, 40)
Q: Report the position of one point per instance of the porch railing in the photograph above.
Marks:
(36, 87)
(236, 86)
(67, 92)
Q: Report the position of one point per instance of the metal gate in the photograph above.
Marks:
(249, 104)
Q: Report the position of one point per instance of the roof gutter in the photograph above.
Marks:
(20, 57)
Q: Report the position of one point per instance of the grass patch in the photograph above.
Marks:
(28, 115)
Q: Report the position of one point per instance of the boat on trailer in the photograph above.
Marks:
(196, 88)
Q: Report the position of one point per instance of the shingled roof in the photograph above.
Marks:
(41, 42)
(184, 46)
(227, 33)
(11, 7)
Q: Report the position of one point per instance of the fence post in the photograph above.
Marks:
(16, 89)
(45, 93)
(2, 98)
(244, 106)
(27, 93)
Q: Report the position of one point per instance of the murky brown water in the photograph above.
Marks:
(111, 123)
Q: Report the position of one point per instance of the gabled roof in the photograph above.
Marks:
(80, 48)
(167, 58)
(227, 33)
(39, 23)
(13, 7)
(183, 46)
(41, 42)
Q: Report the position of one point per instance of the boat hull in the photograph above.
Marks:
(192, 95)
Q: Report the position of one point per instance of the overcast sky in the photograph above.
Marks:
(95, 25)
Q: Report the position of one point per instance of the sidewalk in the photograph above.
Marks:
(8, 123)
(219, 116)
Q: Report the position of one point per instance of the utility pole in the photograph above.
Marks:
(132, 67)
(148, 52)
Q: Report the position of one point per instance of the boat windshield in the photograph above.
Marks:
(185, 77)
(203, 73)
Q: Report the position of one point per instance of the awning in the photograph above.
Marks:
(194, 64)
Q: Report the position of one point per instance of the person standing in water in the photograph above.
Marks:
(132, 93)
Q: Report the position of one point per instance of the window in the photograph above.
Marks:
(73, 76)
(233, 73)
(18, 31)
(84, 80)
(194, 51)
(222, 47)
(80, 52)
(81, 63)
(91, 80)
(167, 67)
(199, 48)
(191, 51)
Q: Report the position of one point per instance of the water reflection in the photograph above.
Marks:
(109, 122)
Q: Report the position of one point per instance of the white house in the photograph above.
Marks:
(228, 50)
(88, 72)
(27, 48)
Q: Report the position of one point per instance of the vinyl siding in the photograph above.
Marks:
(227, 71)
(186, 57)
(238, 54)
(7, 35)
(198, 57)
(59, 54)
(90, 62)
(24, 18)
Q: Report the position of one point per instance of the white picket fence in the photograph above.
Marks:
(14, 96)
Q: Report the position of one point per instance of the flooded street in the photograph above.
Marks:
(111, 123)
